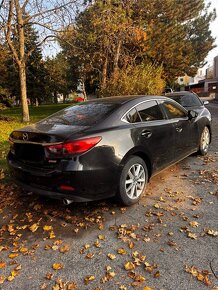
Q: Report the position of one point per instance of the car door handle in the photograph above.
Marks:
(179, 129)
(146, 134)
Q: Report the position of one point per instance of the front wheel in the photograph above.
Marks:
(204, 141)
(133, 180)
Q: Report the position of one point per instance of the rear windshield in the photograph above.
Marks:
(85, 114)
(187, 100)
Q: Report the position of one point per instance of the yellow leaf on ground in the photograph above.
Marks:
(89, 279)
(121, 251)
(47, 228)
(192, 236)
(129, 266)
(212, 233)
(34, 228)
(101, 237)
(57, 266)
(23, 250)
(51, 235)
(13, 255)
(111, 256)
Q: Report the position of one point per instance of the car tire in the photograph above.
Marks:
(204, 141)
(133, 180)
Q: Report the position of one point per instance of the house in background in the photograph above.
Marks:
(203, 84)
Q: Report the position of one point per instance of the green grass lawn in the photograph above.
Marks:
(6, 127)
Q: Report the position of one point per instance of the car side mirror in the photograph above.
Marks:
(206, 103)
(192, 114)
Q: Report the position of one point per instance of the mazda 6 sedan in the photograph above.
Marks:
(105, 147)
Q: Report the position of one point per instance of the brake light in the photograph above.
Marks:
(73, 147)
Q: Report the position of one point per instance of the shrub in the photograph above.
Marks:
(144, 79)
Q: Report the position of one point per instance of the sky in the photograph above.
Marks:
(214, 30)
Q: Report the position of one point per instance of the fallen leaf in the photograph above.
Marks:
(57, 266)
(90, 255)
(13, 255)
(2, 265)
(212, 233)
(49, 276)
(102, 237)
(194, 224)
(121, 251)
(23, 250)
(14, 273)
(89, 279)
(33, 228)
(111, 256)
(131, 245)
(51, 235)
(47, 228)
(122, 287)
(64, 249)
(129, 266)
(139, 278)
(192, 236)
(2, 279)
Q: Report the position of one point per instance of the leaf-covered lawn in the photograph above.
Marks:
(13, 122)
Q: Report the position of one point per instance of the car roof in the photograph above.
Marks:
(125, 99)
(179, 93)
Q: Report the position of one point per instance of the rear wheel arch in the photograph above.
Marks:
(142, 155)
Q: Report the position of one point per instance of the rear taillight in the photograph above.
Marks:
(73, 147)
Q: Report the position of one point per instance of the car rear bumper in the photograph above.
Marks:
(60, 195)
(83, 185)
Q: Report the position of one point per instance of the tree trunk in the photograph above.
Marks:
(104, 73)
(55, 97)
(84, 90)
(116, 59)
(23, 93)
(22, 63)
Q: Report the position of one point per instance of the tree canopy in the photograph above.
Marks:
(110, 35)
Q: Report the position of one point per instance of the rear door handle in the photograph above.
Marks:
(179, 129)
(146, 134)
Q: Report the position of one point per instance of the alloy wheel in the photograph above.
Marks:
(135, 181)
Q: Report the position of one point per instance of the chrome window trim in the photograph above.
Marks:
(125, 121)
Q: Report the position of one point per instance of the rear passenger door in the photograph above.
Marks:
(155, 133)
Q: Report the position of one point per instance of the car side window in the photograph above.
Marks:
(149, 111)
(173, 111)
(132, 116)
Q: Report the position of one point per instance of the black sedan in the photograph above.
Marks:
(105, 147)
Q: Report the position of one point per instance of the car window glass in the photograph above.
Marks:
(173, 111)
(85, 114)
(187, 100)
(149, 111)
(133, 116)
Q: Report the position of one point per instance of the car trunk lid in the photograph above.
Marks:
(28, 143)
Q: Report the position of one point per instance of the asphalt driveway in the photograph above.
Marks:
(168, 241)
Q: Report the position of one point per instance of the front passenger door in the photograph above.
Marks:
(182, 128)
(156, 134)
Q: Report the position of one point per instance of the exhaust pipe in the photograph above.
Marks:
(67, 201)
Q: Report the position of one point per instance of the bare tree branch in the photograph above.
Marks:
(49, 10)
(8, 32)
(1, 4)
(24, 5)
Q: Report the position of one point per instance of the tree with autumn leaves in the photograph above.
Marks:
(111, 46)
(111, 38)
